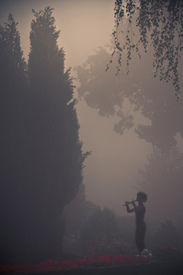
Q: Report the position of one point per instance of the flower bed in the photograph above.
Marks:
(51, 265)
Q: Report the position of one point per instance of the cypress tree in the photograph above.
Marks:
(12, 104)
(41, 156)
(56, 157)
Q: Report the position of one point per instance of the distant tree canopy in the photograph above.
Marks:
(156, 23)
(155, 27)
(42, 158)
(127, 97)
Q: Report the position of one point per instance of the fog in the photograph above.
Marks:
(111, 174)
(85, 25)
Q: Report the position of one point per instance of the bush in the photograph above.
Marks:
(98, 231)
(167, 236)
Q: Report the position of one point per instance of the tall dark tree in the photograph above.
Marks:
(12, 156)
(77, 211)
(156, 23)
(55, 157)
(43, 173)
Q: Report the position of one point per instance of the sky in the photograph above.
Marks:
(110, 171)
(84, 24)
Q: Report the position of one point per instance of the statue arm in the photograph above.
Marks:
(128, 208)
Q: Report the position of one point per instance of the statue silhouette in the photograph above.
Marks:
(140, 224)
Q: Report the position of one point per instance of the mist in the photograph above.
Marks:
(114, 171)
(85, 26)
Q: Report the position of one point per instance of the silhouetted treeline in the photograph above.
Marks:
(41, 154)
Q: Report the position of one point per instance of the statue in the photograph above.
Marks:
(140, 224)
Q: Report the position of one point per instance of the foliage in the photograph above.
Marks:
(77, 211)
(54, 131)
(138, 101)
(126, 225)
(162, 180)
(160, 24)
(167, 236)
(43, 173)
(100, 228)
(102, 91)
(11, 54)
(12, 122)
(51, 95)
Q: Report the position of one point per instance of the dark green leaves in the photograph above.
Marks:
(160, 25)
